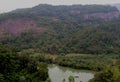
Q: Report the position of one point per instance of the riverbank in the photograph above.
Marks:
(81, 61)
(78, 61)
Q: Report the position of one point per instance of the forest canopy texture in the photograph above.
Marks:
(89, 29)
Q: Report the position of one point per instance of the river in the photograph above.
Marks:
(58, 73)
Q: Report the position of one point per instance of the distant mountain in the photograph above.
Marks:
(92, 29)
(25, 18)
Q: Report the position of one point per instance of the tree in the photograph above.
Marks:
(109, 74)
(71, 79)
(8, 64)
(15, 68)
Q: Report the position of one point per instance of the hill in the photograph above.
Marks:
(92, 29)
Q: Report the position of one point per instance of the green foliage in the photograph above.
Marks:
(18, 68)
(89, 62)
(48, 80)
(66, 30)
(71, 79)
(109, 74)
(1, 78)
(7, 61)
(89, 40)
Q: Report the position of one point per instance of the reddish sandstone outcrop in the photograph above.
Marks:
(16, 27)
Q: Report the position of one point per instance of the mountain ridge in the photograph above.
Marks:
(92, 29)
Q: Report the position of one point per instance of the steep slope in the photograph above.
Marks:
(17, 26)
(63, 29)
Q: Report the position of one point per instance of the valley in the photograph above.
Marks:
(36, 43)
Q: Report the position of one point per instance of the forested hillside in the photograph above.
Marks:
(90, 29)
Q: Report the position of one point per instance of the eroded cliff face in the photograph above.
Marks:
(17, 26)
(106, 16)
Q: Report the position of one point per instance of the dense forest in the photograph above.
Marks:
(20, 68)
(76, 36)
(89, 29)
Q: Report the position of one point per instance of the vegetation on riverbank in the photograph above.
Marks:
(109, 74)
(20, 68)
(38, 32)
(89, 62)
(78, 61)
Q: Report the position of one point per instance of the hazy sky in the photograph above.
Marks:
(8, 5)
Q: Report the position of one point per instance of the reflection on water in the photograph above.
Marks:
(57, 74)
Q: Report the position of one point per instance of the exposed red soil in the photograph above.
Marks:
(16, 27)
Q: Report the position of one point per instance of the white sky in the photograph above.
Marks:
(8, 5)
